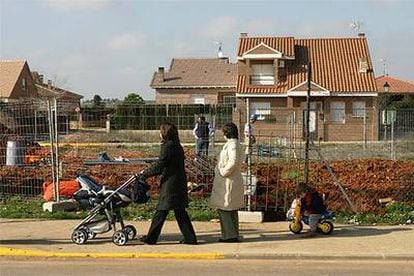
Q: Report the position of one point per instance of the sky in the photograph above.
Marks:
(112, 47)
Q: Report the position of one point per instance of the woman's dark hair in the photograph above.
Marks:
(302, 188)
(169, 132)
(202, 118)
(230, 131)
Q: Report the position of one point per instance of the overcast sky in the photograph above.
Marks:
(112, 48)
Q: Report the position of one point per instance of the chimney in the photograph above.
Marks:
(161, 73)
(243, 35)
(363, 65)
(224, 59)
(49, 84)
(361, 35)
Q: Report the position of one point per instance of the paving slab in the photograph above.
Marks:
(260, 240)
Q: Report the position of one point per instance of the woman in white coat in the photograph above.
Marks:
(227, 194)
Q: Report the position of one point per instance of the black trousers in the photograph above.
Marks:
(183, 220)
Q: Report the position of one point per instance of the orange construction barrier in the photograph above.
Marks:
(66, 189)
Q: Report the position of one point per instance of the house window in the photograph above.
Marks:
(262, 74)
(261, 109)
(198, 99)
(24, 83)
(338, 112)
(229, 100)
(358, 109)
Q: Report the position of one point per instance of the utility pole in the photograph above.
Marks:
(307, 113)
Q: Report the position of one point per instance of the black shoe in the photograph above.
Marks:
(188, 242)
(232, 240)
(144, 240)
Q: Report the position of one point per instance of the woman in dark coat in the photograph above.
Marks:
(173, 187)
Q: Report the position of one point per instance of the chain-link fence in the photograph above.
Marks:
(25, 165)
(368, 163)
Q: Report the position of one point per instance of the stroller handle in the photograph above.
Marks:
(124, 185)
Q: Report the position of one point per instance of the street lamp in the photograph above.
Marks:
(386, 87)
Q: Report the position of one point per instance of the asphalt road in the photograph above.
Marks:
(22, 266)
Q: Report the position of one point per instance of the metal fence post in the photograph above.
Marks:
(57, 152)
(35, 124)
(392, 139)
(108, 123)
(249, 156)
(308, 95)
(52, 148)
(364, 143)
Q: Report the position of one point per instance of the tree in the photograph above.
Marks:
(133, 98)
(97, 101)
(405, 102)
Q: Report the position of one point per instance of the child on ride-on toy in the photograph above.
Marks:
(312, 206)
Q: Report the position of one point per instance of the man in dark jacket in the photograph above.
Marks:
(173, 187)
(202, 132)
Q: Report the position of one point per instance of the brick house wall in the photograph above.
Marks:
(186, 96)
(282, 108)
(25, 86)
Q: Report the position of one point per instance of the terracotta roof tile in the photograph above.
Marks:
(396, 86)
(335, 66)
(9, 74)
(196, 72)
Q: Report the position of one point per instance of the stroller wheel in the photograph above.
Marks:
(91, 235)
(120, 238)
(79, 236)
(130, 231)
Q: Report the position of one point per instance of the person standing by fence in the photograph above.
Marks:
(202, 132)
(227, 194)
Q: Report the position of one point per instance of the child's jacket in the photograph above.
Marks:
(313, 203)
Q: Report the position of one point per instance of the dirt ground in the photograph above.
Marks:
(364, 180)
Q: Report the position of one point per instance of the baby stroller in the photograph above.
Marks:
(105, 209)
(296, 217)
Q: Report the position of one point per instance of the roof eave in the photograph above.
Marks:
(192, 86)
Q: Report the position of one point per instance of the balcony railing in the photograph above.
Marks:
(262, 79)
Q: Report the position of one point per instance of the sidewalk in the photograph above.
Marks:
(51, 238)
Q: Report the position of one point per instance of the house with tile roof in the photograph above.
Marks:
(272, 83)
(196, 81)
(394, 86)
(69, 99)
(19, 88)
(16, 82)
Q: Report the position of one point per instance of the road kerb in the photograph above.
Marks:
(15, 252)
